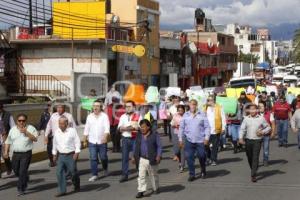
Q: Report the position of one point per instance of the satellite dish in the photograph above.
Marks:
(115, 19)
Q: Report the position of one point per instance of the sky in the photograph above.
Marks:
(250, 12)
(259, 13)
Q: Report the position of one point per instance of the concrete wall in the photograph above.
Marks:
(56, 60)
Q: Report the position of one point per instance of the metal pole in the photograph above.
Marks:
(149, 58)
(72, 49)
(44, 15)
(197, 59)
(30, 17)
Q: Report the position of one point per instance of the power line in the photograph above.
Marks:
(64, 13)
(58, 24)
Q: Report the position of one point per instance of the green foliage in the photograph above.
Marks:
(296, 42)
(248, 58)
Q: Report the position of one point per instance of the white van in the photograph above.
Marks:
(242, 82)
(290, 79)
(277, 79)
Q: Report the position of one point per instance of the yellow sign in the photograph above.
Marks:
(138, 50)
(294, 90)
(79, 20)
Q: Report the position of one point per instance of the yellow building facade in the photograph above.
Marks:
(135, 11)
(79, 20)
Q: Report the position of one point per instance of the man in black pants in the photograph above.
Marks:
(21, 138)
(253, 128)
(8, 122)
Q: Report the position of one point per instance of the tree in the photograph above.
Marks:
(248, 58)
(296, 42)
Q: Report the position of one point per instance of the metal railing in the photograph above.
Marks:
(46, 84)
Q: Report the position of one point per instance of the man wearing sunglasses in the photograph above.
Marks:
(21, 138)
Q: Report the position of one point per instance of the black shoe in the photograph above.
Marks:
(156, 191)
(76, 189)
(286, 145)
(280, 145)
(266, 163)
(191, 178)
(203, 175)
(60, 194)
(253, 179)
(123, 179)
(235, 150)
(139, 195)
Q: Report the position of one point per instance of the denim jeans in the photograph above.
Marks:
(282, 131)
(95, 151)
(266, 143)
(66, 162)
(234, 130)
(175, 142)
(127, 147)
(190, 150)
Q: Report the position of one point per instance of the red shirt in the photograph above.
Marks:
(114, 114)
(281, 111)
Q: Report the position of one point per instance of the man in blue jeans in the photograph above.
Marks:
(194, 129)
(128, 126)
(96, 132)
(282, 114)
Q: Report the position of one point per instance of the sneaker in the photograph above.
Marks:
(21, 193)
(181, 170)
(224, 146)
(213, 163)
(93, 178)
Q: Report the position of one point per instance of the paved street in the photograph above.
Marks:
(229, 180)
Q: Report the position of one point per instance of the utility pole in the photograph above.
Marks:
(30, 17)
(149, 56)
(72, 46)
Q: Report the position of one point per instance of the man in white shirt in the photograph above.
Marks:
(128, 126)
(53, 126)
(96, 132)
(66, 149)
(217, 122)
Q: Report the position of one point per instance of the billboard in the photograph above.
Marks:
(79, 20)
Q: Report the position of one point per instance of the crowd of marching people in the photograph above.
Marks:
(195, 131)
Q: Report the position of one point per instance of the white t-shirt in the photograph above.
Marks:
(97, 128)
(211, 119)
(125, 121)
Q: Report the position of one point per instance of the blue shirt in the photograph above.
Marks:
(144, 146)
(195, 128)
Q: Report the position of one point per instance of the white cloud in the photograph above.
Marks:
(252, 12)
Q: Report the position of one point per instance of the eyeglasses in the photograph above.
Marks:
(21, 120)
